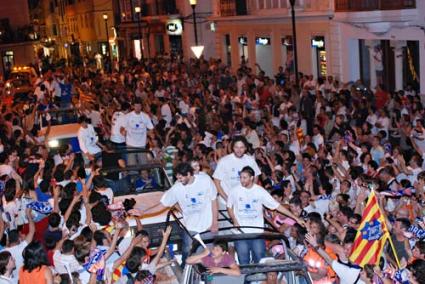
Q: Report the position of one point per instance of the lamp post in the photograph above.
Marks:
(196, 49)
(138, 11)
(193, 5)
(294, 42)
(108, 52)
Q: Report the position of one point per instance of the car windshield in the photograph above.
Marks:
(136, 180)
(20, 76)
(59, 116)
(20, 82)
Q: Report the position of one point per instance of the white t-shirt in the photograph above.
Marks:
(136, 126)
(63, 262)
(108, 193)
(6, 170)
(318, 141)
(247, 204)
(195, 201)
(16, 251)
(87, 138)
(118, 119)
(346, 274)
(229, 167)
(166, 113)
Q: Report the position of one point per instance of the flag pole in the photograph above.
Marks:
(394, 251)
(389, 233)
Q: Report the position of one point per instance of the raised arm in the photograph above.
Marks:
(165, 236)
(31, 231)
(197, 258)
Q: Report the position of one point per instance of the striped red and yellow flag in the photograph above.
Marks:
(371, 235)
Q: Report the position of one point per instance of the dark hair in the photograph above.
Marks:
(248, 170)
(34, 256)
(295, 201)
(4, 260)
(417, 268)
(50, 242)
(13, 236)
(221, 244)
(346, 211)
(67, 246)
(87, 234)
(133, 261)
(184, 169)
(99, 182)
(240, 139)
(54, 220)
(98, 237)
(405, 223)
(9, 193)
(101, 215)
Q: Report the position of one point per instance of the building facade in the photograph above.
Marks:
(79, 27)
(17, 37)
(380, 42)
(377, 41)
(260, 32)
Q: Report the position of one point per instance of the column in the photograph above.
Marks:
(421, 65)
(167, 47)
(371, 45)
(251, 51)
(398, 47)
(277, 50)
(234, 51)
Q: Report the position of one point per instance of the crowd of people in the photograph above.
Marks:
(301, 160)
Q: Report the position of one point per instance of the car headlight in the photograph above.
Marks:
(53, 143)
(8, 85)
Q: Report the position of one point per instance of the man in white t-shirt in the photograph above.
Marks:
(136, 126)
(196, 196)
(245, 205)
(117, 121)
(88, 140)
(226, 175)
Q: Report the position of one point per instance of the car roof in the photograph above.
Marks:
(61, 131)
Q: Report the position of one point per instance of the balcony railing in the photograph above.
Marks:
(373, 5)
(264, 7)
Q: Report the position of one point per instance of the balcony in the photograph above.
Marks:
(231, 8)
(373, 5)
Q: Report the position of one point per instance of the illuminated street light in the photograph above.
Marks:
(138, 11)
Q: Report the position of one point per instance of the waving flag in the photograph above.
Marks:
(371, 235)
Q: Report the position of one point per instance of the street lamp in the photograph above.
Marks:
(193, 5)
(294, 42)
(138, 11)
(197, 49)
(105, 17)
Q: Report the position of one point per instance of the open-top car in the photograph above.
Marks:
(63, 127)
(133, 173)
(284, 267)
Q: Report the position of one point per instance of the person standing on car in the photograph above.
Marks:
(196, 196)
(136, 126)
(245, 206)
(88, 140)
(226, 175)
(117, 121)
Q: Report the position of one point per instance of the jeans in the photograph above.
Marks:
(245, 247)
(187, 244)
